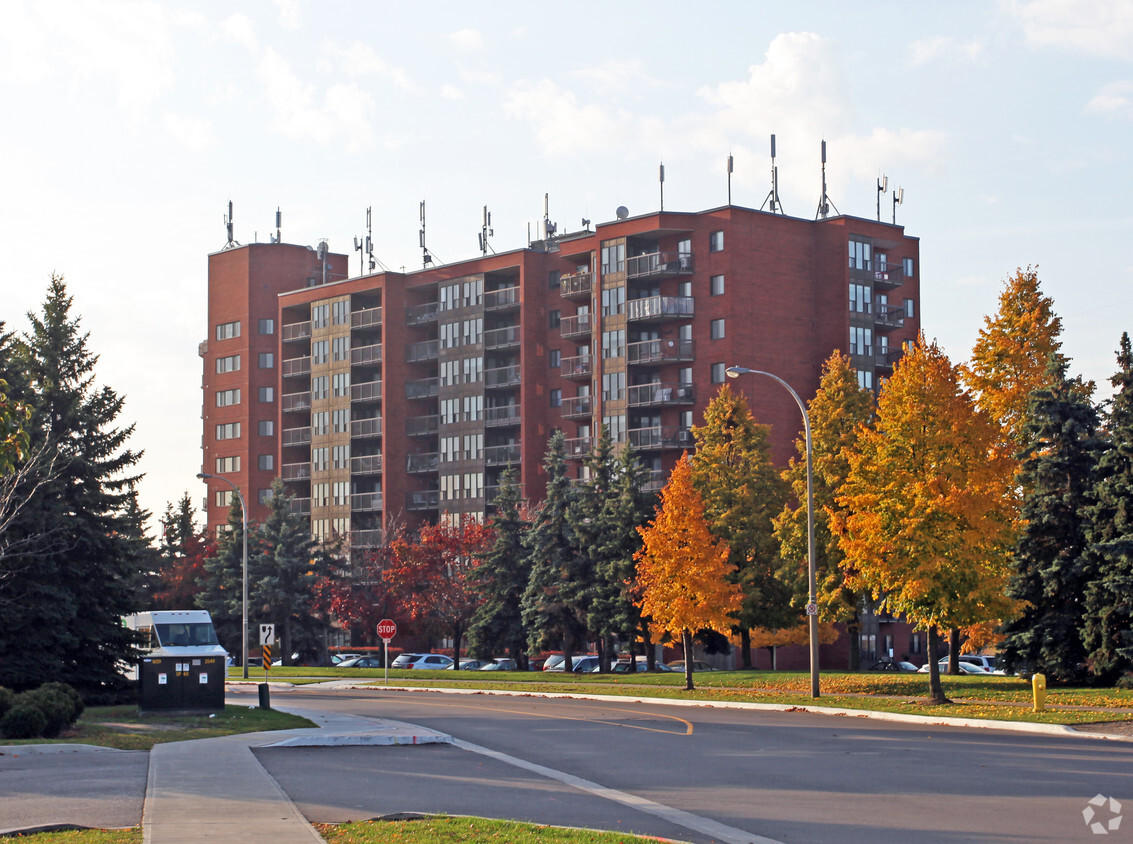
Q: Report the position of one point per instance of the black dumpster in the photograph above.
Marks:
(183, 682)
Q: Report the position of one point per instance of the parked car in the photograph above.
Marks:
(893, 665)
(422, 661)
(555, 661)
(338, 659)
(469, 664)
(965, 668)
(500, 663)
(697, 665)
(361, 662)
(622, 666)
(586, 664)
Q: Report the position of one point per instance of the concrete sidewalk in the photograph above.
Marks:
(215, 788)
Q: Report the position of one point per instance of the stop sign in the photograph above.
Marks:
(387, 629)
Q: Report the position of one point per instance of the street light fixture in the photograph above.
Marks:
(812, 577)
(244, 600)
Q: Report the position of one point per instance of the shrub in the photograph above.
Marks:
(23, 721)
(56, 709)
(1125, 681)
(69, 691)
(7, 697)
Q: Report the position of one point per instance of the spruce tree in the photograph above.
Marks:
(222, 584)
(1108, 625)
(1050, 562)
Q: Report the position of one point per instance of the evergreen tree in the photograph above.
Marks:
(184, 548)
(222, 586)
(742, 493)
(1051, 568)
(81, 579)
(501, 578)
(1108, 627)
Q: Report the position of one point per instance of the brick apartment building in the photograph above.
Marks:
(396, 398)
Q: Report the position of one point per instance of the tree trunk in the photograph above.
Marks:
(686, 643)
(854, 631)
(457, 641)
(745, 648)
(936, 691)
(953, 651)
(568, 661)
(650, 651)
(285, 651)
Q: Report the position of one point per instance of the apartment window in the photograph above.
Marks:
(613, 301)
(716, 285)
(449, 449)
(267, 462)
(473, 370)
(319, 458)
(227, 330)
(718, 373)
(860, 299)
(613, 343)
(340, 493)
(228, 431)
(717, 329)
(320, 316)
(340, 348)
(224, 465)
(554, 318)
(320, 423)
(340, 384)
(613, 258)
(450, 411)
(474, 485)
(320, 493)
(716, 242)
(267, 394)
(684, 289)
(860, 255)
(267, 360)
(340, 421)
(224, 497)
(861, 340)
(319, 386)
(265, 496)
(320, 349)
(450, 487)
(340, 312)
(613, 386)
(616, 425)
(684, 375)
(473, 408)
(556, 397)
(910, 308)
(473, 446)
(471, 330)
(473, 293)
(228, 364)
(266, 428)
(907, 266)
(554, 358)
(266, 326)
(865, 379)
(554, 279)
(914, 643)
(224, 398)
(684, 253)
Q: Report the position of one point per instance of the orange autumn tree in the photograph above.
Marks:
(682, 570)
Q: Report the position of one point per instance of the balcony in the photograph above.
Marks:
(366, 391)
(366, 355)
(421, 426)
(886, 356)
(501, 376)
(660, 308)
(659, 394)
(575, 326)
(371, 427)
(300, 506)
(366, 464)
(576, 285)
(366, 502)
(660, 351)
(297, 436)
(883, 274)
(422, 314)
(660, 438)
(655, 483)
(502, 455)
(422, 388)
(365, 539)
(577, 406)
(507, 414)
(296, 402)
(294, 367)
(296, 331)
(578, 446)
(889, 317)
(368, 318)
(659, 265)
(425, 499)
(424, 350)
(505, 297)
(417, 463)
(580, 366)
(501, 338)
(295, 471)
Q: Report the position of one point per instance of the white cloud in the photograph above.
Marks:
(561, 124)
(616, 76)
(194, 133)
(1114, 100)
(240, 29)
(289, 13)
(467, 39)
(362, 60)
(451, 92)
(943, 48)
(1095, 27)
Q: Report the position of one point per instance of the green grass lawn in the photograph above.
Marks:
(430, 830)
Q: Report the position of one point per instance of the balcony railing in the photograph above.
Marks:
(576, 406)
(886, 356)
(501, 338)
(889, 317)
(505, 297)
(576, 285)
(660, 351)
(660, 308)
(300, 506)
(655, 483)
(579, 366)
(659, 395)
(294, 402)
(423, 351)
(421, 426)
(507, 414)
(659, 264)
(366, 501)
(295, 331)
(428, 462)
(297, 436)
(368, 318)
(502, 376)
(575, 326)
(425, 499)
(295, 471)
(421, 314)
(501, 455)
(366, 464)
(578, 446)
(365, 355)
(362, 539)
(366, 391)
(660, 437)
(371, 427)
(422, 388)
(293, 367)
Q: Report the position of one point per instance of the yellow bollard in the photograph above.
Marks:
(1038, 688)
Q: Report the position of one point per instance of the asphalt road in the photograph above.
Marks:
(783, 776)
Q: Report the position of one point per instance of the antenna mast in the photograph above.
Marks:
(278, 225)
(426, 258)
(882, 186)
(729, 178)
(824, 203)
(661, 176)
(486, 231)
(773, 194)
(549, 228)
(231, 244)
(898, 199)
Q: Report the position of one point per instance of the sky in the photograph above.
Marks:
(129, 126)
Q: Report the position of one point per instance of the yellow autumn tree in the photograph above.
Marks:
(682, 569)
(924, 524)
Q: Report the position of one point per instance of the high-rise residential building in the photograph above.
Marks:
(395, 398)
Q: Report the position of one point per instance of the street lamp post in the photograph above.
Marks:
(812, 577)
(244, 599)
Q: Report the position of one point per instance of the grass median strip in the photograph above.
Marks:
(430, 829)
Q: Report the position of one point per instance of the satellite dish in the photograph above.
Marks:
(622, 212)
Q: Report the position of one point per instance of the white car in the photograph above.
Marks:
(422, 661)
(965, 668)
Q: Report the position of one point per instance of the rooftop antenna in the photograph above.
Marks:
(898, 199)
(773, 194)
(486, 231)
(278, 225)
(426, 258)
(824, 203)
(661, 176)
(729, 178)
(882, 186)
(549, 228)
(231, 244)
(365, 248)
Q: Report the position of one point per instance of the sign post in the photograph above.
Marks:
(387, 629)
(267, 639)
